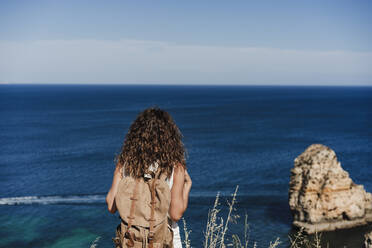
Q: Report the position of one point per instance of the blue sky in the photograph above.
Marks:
(186, 42)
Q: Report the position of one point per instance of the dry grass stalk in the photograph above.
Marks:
(300, 240)
(236, 243)
(186, 240)
(230, 217)
(95, 242)
(213, 228)
(246, 231)
(297, 239)
(217, 228)
(317, 239)
(275, 244)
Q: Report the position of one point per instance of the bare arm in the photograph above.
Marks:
(110, 198)
(179, 193)
(186, 190)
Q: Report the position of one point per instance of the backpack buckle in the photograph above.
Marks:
(149, 175)
(151, 236)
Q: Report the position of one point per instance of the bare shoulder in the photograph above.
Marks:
(119, 171)
(179, 169)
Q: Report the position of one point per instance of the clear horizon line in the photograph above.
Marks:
(190, 84)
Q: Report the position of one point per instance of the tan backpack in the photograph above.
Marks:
(143, 206)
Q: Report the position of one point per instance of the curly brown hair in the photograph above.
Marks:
(152, 137)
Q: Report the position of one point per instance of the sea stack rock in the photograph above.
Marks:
(322, 197)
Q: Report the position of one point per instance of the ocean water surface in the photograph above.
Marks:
(58, 143)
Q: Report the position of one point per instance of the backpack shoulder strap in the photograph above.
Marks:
(152, 213)
(128, 234)
(159, 174)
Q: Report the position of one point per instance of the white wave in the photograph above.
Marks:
(86, 199)
(45, 200)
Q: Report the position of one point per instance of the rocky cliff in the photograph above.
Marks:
(322, 197)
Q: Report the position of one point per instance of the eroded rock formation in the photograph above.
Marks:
(322, 197)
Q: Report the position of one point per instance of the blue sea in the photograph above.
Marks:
(58, 144)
